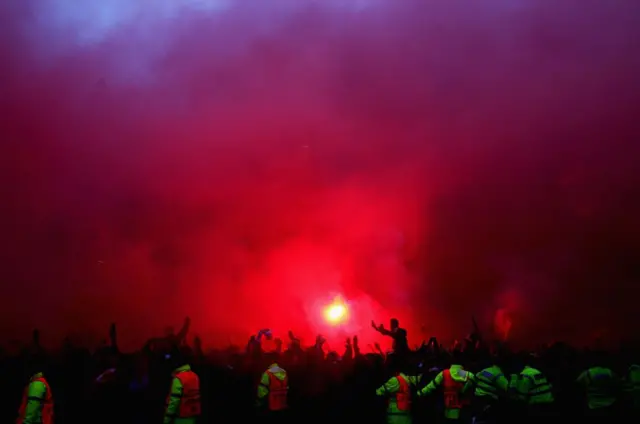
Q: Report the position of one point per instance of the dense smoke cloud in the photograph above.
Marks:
(242, 162)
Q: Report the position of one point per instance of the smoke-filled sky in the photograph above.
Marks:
(243, 162)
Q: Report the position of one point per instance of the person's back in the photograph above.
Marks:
(533, 388)
(490, 383)
(454, 381)
(490, 386)
(534, 393)
(601, 387)
(37, 402)
(398, 391)
(273, 393)
(183, 401)
(632, 386)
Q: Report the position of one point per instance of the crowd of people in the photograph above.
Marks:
(172, 380)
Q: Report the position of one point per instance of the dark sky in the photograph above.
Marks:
(243, 164)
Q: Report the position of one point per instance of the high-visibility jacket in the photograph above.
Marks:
(454, 381)
(632, 385)
(274, 388)
(183, 402)
(533, 388)
(398, 390)
(601, 387)
(37, 402)
(490, 383)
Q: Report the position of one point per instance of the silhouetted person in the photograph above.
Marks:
(399, 335)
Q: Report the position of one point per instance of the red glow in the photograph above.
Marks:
(245, 165)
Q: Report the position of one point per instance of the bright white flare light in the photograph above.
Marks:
(336, 312)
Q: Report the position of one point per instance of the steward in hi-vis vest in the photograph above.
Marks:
(273, 392)
(37, 402)
(398, 391)
(454, 381)
(273, 389)
(183, 401)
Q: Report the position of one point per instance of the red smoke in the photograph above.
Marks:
(245, 164)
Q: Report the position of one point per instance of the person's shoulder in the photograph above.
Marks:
(402, 331)
(37, 387)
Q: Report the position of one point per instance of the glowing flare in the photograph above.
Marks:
(336, 312)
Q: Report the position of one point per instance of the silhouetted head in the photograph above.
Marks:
(35, 363)
(271, 358)
(180, 355)
(457, 357)
(394, 324)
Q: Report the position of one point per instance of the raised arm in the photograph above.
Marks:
(184, 330)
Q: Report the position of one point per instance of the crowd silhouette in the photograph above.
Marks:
(110, 386)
